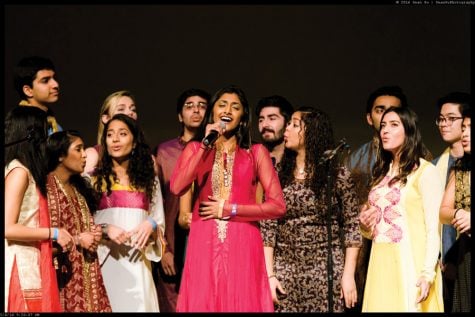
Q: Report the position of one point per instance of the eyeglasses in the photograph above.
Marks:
(447, 120)
(200, 105)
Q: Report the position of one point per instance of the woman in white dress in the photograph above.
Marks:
(131, 214)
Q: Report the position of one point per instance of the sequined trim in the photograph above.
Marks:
(221, 184)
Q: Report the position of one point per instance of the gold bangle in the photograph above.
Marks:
(271, 276)
(455, 213)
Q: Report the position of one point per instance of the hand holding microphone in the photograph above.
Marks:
(215, 130)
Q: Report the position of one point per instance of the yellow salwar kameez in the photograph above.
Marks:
(406, 243)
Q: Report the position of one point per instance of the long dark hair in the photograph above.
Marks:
(318, 133)
(412, 149)
(243, 133)
(29, 126)
(57, 146)
(140, 169)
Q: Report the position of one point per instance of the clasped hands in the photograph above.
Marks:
(137, 237)
(87, 240)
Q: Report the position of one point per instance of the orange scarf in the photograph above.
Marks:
(49, 285)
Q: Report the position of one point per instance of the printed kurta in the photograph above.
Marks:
(406, 243)
(300, 242)
(85, 291)
(461, 256)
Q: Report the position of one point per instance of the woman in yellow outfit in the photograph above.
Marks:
(401, 217)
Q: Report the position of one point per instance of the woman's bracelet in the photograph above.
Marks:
(234, 210)
(153, 222)
(271, 276)
(55, 234)
(455, 213)
(49, 233)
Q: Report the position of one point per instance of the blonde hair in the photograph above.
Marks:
(108, 106)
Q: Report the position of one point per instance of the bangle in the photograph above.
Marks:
(234, 210)
(49, 233)
(55, 234)
(271, 276)
(455, 213)
(153, 222)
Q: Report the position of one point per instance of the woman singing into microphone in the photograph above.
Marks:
(224, 267)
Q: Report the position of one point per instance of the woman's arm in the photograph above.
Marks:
(431, 188)
(185, 169)
(447, 207)
(154, 223)
(92, 158)
(186, 205)
(348, 284)
(448, 214)
(16, 184)
(273, 206)
(273, 281)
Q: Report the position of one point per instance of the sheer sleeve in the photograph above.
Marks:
(348, 200)
(432, 189)
(273, 206)
(156, 205)
(186, 167)
(154, 251)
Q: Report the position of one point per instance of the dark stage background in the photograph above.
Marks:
(327, 56)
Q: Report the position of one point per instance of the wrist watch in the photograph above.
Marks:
(104, 228)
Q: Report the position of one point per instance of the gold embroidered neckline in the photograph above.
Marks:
(221, 183)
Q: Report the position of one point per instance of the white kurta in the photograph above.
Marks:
(27, 254)
(126, 270)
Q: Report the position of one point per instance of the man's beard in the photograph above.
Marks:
(271, 144)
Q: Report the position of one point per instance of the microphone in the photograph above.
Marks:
(329, 154)
(213, 135)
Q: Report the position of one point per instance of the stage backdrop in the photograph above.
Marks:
(330, 57)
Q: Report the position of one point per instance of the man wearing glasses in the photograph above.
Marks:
(191, 107)
(449, 122)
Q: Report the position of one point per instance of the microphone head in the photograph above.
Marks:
(222, 125)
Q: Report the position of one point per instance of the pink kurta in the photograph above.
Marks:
(224, 267)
